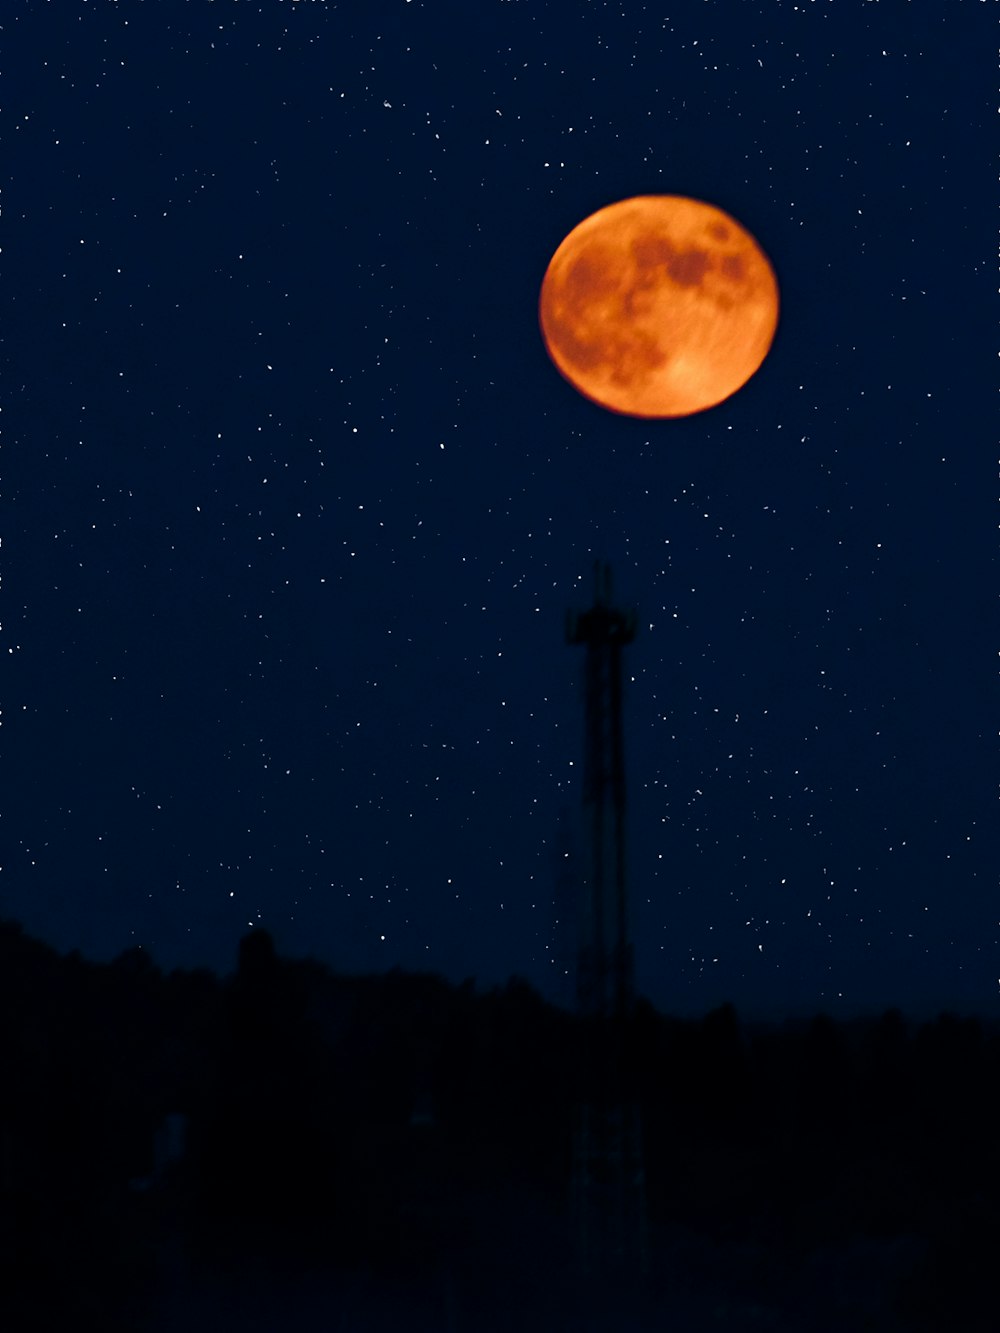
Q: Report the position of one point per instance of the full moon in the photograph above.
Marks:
(658, 306)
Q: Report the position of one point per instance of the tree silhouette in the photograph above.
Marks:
(377, 1122)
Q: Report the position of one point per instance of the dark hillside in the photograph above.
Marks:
(178, 1149)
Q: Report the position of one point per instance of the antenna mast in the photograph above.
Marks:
(605, 966)
(608, 1174)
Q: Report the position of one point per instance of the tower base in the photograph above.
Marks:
(609, 1189)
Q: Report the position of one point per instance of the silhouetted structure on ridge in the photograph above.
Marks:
(608, 1174)
(605, 967)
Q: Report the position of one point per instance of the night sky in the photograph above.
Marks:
(296, 501)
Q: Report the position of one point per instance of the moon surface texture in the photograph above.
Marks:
(658, 306)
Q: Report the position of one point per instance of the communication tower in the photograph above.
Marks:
(608, 1174)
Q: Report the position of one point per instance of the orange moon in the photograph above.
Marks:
(658, 306)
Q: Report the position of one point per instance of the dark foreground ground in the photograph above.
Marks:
(289, 1149)
(514, 1270)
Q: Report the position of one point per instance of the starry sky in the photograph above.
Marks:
(296, 501)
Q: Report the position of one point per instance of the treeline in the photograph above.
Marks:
(344, 1120)
(816, 1134)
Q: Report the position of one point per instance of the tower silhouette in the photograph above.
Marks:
(608, 1176)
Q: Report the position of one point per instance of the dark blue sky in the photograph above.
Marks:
(296, 501)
